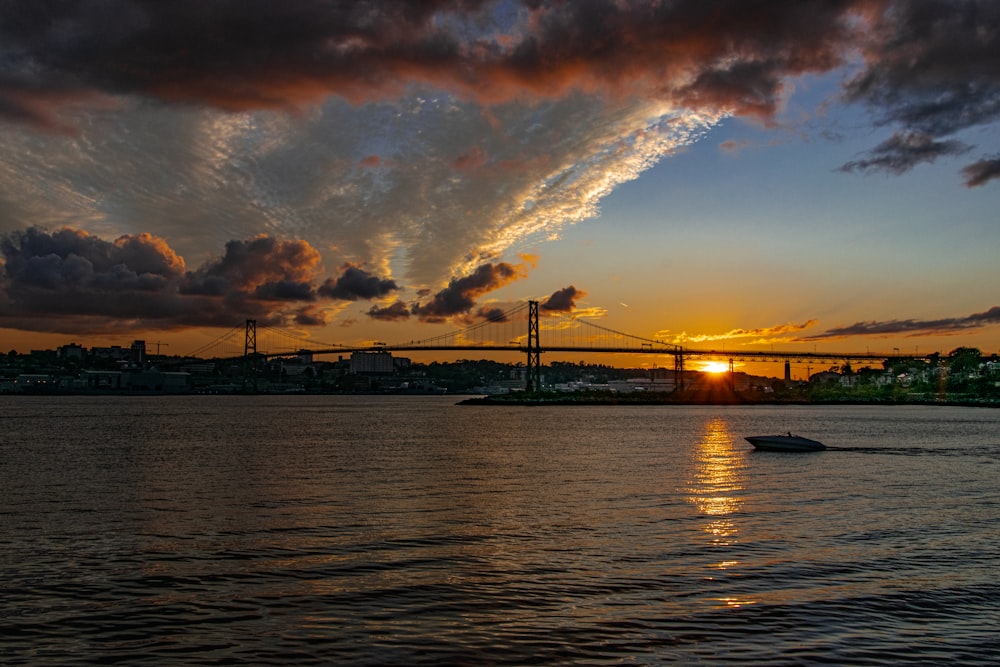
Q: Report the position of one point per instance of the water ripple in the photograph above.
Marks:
(593, 538)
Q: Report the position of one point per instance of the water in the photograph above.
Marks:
(371, 530)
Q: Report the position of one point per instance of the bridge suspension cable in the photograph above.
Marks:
(526, 327)
(575, 333)
(294, 342)
(218, 342)
(498, 329)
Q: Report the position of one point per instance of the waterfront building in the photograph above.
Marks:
(371, 363)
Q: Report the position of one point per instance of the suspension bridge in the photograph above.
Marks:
(520, 329)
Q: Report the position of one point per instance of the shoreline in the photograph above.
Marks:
(554, 399)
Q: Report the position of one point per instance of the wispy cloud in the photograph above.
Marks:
(903, 151)
(793, 333)
(981, 172)
(762, 335)
(912, 327)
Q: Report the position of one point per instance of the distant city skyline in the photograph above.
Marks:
(740, 174)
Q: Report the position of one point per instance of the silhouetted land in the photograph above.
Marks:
(963, 377)
(719, 396)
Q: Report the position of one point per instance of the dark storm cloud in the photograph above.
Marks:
(72, 281)
(563, 300)
(234, 54)
(252, 54)
(393, 313)
(356, 283)
(981, 172)
(903, 151)
(285, 290)
(47, 277)
(309, 316)
(262, 264)
(933, 65)
(932, 68)
(913, 327)
(492, 315)
(73, 259)
(461, 293)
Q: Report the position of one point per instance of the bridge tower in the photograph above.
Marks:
(534, 379)
(250, 355)
(678, 370)
(250, 346)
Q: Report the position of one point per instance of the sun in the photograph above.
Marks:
(715, 367)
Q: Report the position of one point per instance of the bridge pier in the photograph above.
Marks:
(250, 354)
(678, 370)
(533, 381)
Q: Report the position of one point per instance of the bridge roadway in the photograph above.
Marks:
(674, 351)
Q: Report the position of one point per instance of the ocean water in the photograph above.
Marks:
(411, 530)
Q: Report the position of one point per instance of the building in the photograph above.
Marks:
(91, 380)
(372, 363)
(137, 354)
(113, 353)
(139, 380)
(71, 352)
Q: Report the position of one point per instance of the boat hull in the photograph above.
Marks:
(784, 443)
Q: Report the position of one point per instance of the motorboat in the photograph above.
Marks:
(784, 443)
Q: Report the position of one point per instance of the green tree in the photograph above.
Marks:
(964, 359)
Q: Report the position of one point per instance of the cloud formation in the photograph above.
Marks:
(263, 266)
(421, 140)
(981, 172)
(757, 336)
(563, 301)
(932, 68)
(395, 312)
(903, 151)
(356, 283)
(460, 295)
(256, 54)
(911, 327)
(71, 281)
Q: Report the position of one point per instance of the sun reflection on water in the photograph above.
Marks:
(716, 489)
(718, 478)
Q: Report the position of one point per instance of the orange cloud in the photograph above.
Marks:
(760, 335)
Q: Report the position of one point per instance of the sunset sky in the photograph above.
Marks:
(743, 174)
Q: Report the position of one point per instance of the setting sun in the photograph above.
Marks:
(715, 367)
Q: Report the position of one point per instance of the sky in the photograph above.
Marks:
(746, 174)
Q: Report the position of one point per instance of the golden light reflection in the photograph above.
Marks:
(716, 490)
(718, 477)
(736, 603)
